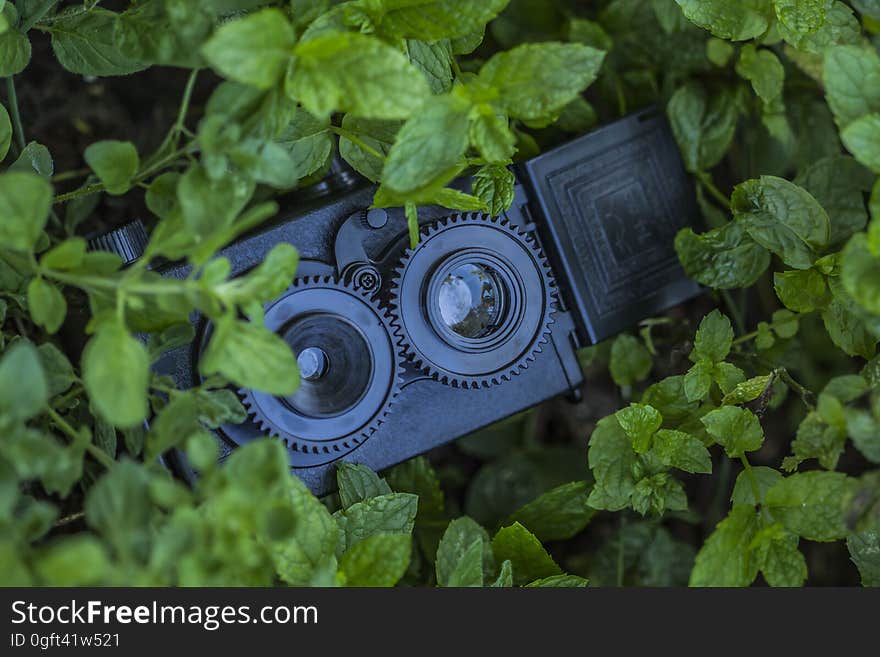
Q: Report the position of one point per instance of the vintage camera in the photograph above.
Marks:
(401, 350)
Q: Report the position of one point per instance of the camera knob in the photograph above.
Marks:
(129, 242)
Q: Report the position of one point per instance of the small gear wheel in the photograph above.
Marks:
(350, 368)
(474, 301)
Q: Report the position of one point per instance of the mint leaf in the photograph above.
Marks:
(778, 557)
(116, 375)
(864, 550)
(560, 581)
(803, 16)
(683, 451)
(378, 135)
(494, 186)
(565, 70)
(724, 258)
(5, 132)
(25, 202)
(782, 218)
(355, 73)
(740, 21)
(358, 483)
(115, 163)
(611, 458)
(852, 82)
(379, 560)
(802, 291)
(394, 513)
(469, 569)
(763, 69)
(640, 422)
(255, 49)
(455, 556)
(762, 477)
(630, 360)
(84, 43)
(725, 558)
(862, 139)
(734, 428)
(24, 390)
(46, 304)
(490, 134)
(703, 127)
(15, 51)
(250, 356)
(558, 514)
(714, 338)
(529, 558)
(812, 504)
(433, 141)
(432, 20)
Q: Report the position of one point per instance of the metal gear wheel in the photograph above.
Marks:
(350, 363)
(517, 265)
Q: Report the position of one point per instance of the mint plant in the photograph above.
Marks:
(738, 434)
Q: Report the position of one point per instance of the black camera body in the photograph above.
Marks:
(403, 350)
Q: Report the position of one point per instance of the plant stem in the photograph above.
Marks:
(342, 132)
(73, 517)
(18, 128)
(97, 453)
(70, 175)
(707, 182)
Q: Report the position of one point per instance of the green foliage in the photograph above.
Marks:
(776, 110)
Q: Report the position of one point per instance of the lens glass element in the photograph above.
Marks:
(470, 300)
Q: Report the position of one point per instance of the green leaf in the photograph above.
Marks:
(802, 291)
(852, 82)
(433, 141)
(79, 560)
(312, 546)
(308, 142)
(494, 185)
(505, 577)
(431, 20)
(630, 360)
(58, 370)
(251, 356)
(255, 49)
(25, 202)
(734, 428)
(456, 554)
(358, 483)
(46, 304)
(529, 558)
(723, 258)
(725, 558)
(380, 560)
(698, 381)
(862, 139)
(803, 16)
(490, 134)
(812, 504)
(844, 323)
(778, 557)
(703, 125)
(558, 514)
(434, 60)
(864, 550)
(5, 132)
(658, 493)
(378, 135)
(747, 390)
(355, 73)
(639, 422)
(683, 451)
(116, 373)
(738, 21)
(839, 184)
(565, 70)
(35, 158)
(394, 513)
(118, 507)
(15, 52)
(84, 43)
(24, 391)
(763, 69)
(760, 477)
(265, 282)
(611, 458)
(782, 218)
(115, 163)
(714, 338)
(67, 255)
(560, 581)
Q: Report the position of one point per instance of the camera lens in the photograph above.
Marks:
(470, 300)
